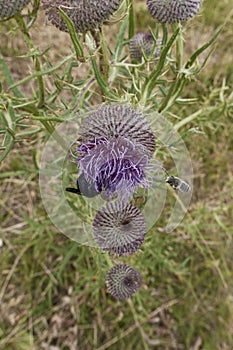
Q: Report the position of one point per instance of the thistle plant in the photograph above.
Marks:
(113, 146)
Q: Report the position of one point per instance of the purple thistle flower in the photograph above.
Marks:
(123, 281)
(173, 11)
(114, 150)
(119, 228)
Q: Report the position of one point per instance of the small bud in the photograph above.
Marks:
(143, 43)
(123, 281)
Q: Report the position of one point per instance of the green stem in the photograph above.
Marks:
(193, 116)
(103, 58)
(40, 84)
(40, 73)
(108, 260)
(179, 47)
(150, 82)
(167, 99)
(104, 65)
(29, 43)
(47, 126)
(8, 77)
(73, 35)
(49, 119)
(33, 14)
(131, 19)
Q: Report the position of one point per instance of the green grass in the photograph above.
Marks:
(52, 290)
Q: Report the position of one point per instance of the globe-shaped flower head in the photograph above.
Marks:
(114, 149)
(172, 11)
(123, 281)
(119, 228)
(9, 8)
(85, 14)
(143, 43)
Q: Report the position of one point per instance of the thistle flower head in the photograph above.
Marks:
(172, 11)
(114, 149)
(11, 8)
(85, 14)
(114, 121)
(119, 228)
(123, 281)
(143, 43)
(114, 165)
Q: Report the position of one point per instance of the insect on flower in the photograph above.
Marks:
(84, 188)
(178, 184)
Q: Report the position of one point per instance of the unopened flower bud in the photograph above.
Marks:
(173, 11)
(143, 43)
(85, 14)
(12, 7)
(123, 281)
(119, 228)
